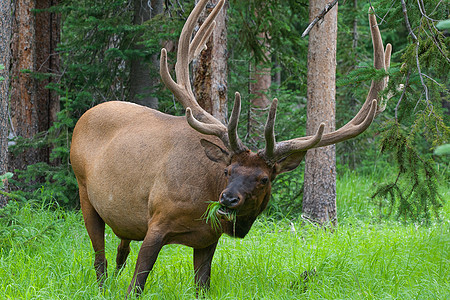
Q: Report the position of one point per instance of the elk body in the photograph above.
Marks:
(150, 176)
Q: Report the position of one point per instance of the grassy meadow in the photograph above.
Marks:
(46, 254)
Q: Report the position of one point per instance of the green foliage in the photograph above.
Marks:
(46, 254)
(414, 192)
(258, 23)
(97, 45)
(417, 117)
(2, 67)
(4, 178)
(287, 195)
(16, 230)
(54, 180)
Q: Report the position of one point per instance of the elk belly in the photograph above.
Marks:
(126, 216)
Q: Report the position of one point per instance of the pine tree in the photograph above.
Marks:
(319, 197)
(5, 37)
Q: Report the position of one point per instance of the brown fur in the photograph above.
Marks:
(147, 176)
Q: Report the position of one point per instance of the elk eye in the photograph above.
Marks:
(225, 172)
(264, 180)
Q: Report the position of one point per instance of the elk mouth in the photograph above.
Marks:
(215, 212)
(227, 213)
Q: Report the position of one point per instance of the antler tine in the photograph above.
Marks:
(228, 135)
(381, 60)
(200, 44)
(302, 144)
(203, 34)
(182, 88)
(182, 64)
(275, 151)
(235, 142)
(366, 114)
(379, 63)
(186, 49)
(269, 130)
(209, 129)
(387, 59)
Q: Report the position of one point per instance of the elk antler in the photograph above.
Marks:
(365, 116)
(197, 117)
(229, 136)
(275, 151)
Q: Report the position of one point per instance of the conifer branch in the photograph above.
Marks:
(416, 41)
(421, 78)
(402, 95)
(408, 25)
(435, 42)
(422, 10)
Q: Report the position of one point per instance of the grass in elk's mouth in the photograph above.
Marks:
(215, 211)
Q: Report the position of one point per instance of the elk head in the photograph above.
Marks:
(249, 174)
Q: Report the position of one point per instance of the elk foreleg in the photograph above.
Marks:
(95, 227)
(122, 253)
(202, 266)
(148, 253)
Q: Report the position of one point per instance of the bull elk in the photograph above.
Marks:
(150, 176)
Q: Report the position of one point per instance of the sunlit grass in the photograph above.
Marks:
(46, 254)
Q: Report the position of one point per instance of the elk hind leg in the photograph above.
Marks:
(122, 253)
(95, 227)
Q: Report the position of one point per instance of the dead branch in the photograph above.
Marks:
(322, 14)
(408, 25)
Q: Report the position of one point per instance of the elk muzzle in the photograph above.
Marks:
(229, 199)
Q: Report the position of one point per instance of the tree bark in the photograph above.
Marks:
(47, 61)
(260, 82)
(33, 107)
(319, 197)
(142, 83)
(5, 39)
(210, 71)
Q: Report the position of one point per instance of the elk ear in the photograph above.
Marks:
(215, 153)
(289, 163)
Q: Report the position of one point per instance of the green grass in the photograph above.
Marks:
(212, 217)
(46, 254)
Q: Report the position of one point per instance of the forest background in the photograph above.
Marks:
(98, 43)
(392, 237)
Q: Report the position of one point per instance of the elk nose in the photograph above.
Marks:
(229, 200)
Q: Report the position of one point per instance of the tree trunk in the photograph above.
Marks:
(260, 82)
(47, 61)
(210, 70)
(319, 197)
(5, 39)
(142, 83)
(33, 107)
